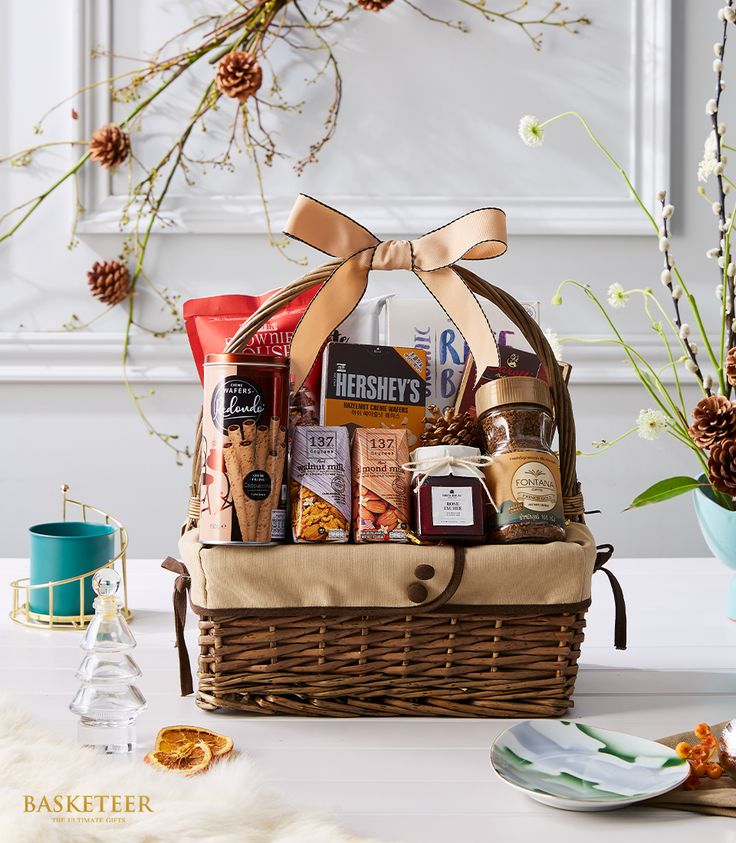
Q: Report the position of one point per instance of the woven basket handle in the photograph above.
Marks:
(573, 500)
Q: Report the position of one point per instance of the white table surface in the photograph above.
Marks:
(428, 780)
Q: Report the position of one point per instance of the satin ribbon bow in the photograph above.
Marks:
(438, 465)
(479, 235)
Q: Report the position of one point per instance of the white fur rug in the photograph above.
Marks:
(223, 805)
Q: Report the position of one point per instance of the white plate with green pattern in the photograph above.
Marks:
(578, 767)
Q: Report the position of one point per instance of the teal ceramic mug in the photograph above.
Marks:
(67, 549)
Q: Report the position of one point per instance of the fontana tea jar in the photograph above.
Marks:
(448, 494)
(524, 475)
(244, 442)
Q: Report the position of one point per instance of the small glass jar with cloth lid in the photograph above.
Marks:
(449, 494)
(524, 473)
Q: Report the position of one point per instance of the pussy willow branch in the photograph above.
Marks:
(687, 345)
(723, 241)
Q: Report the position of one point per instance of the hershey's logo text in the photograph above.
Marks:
(375, 388)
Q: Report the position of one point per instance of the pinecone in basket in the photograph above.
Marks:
(109, 146)
(450, 428)
(374, 5)
(714, 419)
(238, 75)
(109, 281)
(731, 366)
(722, 466)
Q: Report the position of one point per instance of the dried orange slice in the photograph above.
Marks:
(187, 759)
(172, 738)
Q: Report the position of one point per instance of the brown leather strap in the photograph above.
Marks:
(181, 586)
(605, 552)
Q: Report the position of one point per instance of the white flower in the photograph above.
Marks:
(721, 261)
(717, 65)
(617, 296)
(554, 342)
(722, 13)
(726, 188)
(705, 168)
(690, 366)
(661, 194)
(712, 253)
(711, 107)
(721, 129)
(651, 423)
(719, 168)
(671, 260)
(531, 131)
(707, 381)
(723, 84)
(716, 208)
(729, 14)
(664, 244)
(718, 48)
(693, 347)
(684, 330)
(731, 269)
(666, 277)
(719, 292)
(677, 293)
(667, 211)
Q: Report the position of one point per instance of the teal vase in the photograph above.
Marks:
(718, 526)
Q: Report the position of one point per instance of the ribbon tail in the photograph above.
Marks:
(459, 303)
(336, 300)
(605, 551)
(181, 586)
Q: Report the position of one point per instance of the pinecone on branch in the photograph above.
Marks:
(109, 281)
(714, 419)
(374, 5)
(722, 466)
(238, 75)
(731, 366)
(109, 146)
(450, 428)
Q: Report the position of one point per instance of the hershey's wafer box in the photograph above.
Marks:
(374, 386)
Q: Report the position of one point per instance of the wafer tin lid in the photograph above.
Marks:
(251, 359)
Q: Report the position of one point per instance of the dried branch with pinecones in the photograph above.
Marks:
(237, 42)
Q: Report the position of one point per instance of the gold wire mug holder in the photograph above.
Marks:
(21, 611)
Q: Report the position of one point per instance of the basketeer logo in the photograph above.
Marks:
(87, 808)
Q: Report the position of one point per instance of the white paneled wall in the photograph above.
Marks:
(66, 416)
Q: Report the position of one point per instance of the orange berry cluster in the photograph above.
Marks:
(699, 756)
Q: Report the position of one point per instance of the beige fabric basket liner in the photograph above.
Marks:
(355, 576)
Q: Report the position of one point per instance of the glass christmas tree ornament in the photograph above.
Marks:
(108, 702)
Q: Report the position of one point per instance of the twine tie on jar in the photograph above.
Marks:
(437, 465)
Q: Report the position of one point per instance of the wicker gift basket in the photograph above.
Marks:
(396, 629)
